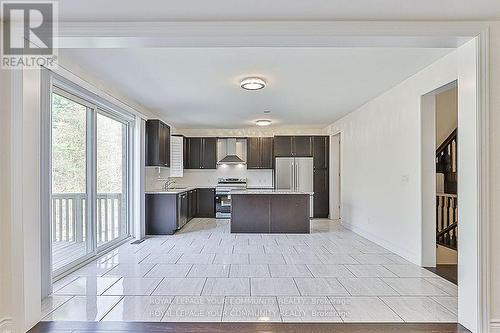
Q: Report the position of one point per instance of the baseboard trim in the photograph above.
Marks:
(494, 326)
(6, 325)
(411, 257)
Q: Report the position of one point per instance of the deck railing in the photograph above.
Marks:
(69, 216)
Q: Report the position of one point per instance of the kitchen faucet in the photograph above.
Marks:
(168, 183)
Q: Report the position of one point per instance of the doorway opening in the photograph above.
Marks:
(440, 109)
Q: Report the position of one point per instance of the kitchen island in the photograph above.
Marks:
(270, 211)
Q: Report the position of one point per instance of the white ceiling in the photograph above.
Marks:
(175, 10)
(199, 87)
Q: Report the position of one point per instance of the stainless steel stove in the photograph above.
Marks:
(223, 195)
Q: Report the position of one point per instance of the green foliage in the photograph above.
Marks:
(69, 149)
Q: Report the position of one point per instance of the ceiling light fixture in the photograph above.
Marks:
(263, 122)
(252, 83)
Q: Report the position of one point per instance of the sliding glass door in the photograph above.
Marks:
(69, 180)
(90, 179)
(111, 201)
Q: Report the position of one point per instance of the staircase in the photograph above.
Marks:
(447, 202)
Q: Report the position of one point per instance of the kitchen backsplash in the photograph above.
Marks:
(255, 178)
(154, 178)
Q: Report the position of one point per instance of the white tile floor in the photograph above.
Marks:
(205, 273)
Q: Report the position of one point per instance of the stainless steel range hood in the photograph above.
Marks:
(231, 156)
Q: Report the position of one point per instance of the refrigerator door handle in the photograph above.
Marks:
(297, 185)
(292, 176)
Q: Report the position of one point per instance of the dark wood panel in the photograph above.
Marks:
(321, 193)
(206, 202)
(302, 146)
(151, 327)
(283, 146)
(209, 159)
(160, 214)
(290, 213)
(250, 213)
(192, 204)
(321, 147)
(193, 153)
(157, 141)
(253, 153)
(266, 153)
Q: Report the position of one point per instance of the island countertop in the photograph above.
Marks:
(267, 191)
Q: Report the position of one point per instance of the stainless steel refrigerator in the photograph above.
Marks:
(295, 174)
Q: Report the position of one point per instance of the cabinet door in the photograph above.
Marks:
(209, 159)
(283, 146)
(153, 136)
(194, 204)
(321, 193)
(206, 202)
(194, 153)
(302, 146)
(166, 144)
(253, 153)
(266, 153)
(184, 208)
(321, 152)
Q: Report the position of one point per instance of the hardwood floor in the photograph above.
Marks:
(123, 327)
(448, 272)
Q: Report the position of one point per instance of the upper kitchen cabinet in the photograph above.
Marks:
(321, 147)
(157, 143)
(283, 146)
(298, 146)
(260, 153)
(200, 153)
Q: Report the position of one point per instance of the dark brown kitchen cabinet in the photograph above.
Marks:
(321, 193)
(206, 202)
(283, 146)
(157, 143)
(260, 153)
(302, 146)
(321, 188)
(209, 153)
(200, 153)
(297, 146)
(192, 204)
(321, 147)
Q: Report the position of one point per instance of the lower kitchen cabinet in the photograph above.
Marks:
(321, 206)
(192, 204)
(163, 212)
(166, 213)
(206, 202)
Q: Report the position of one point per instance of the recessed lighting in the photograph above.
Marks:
(263, 122)
(252, 83)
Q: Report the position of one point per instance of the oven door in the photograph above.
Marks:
(223, 205)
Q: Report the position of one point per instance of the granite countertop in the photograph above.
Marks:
(177, 189)
(268, 191)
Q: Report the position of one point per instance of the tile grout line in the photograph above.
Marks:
(393, 310)
(111, 309)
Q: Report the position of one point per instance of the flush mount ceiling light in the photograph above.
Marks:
(263, 122)
(252, 83)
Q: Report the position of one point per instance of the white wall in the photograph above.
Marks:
(382, 169)
(446, 114)
(251, 131)
(380, 162)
